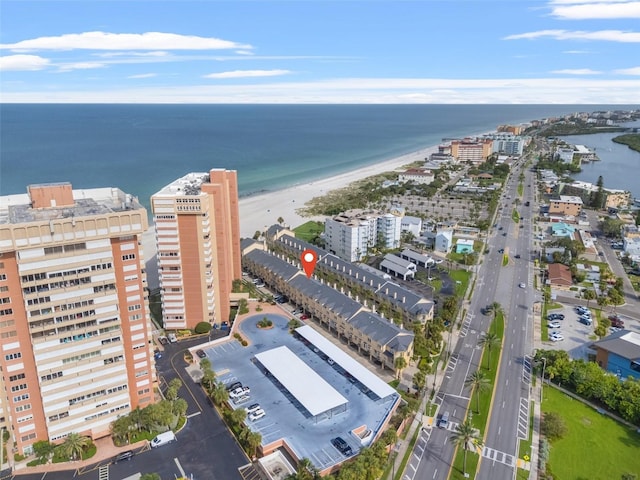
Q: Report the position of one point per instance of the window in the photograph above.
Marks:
(10, 334)
(129, 256)
(20, 398)
(15, 378)
(6, 311)
(22, 408)
(17, 388)
(13, 356)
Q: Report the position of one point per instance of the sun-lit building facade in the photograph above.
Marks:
(75, 331)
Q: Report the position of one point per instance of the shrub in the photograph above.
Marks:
(553, 426)
(203, 327)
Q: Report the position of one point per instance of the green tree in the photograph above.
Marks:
(553, 426)
(478, 382)
(150, 476)
(467, 437)
(599, 196)
(74, 445)
(280, 220)
(43, 449)
(219, 395)
(253, 440)
(588, 295)
(490, 341)
(400, 364)
(121, 429)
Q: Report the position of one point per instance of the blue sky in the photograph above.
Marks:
(313, 51)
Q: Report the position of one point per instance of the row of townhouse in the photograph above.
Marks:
(373, 285)
(373, 336)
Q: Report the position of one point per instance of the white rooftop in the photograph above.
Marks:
(632, 337)
(309, 388)
(351, 365)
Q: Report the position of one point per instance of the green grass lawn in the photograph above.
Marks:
(309, 230)
(461, 276)
(515, 215)
(595, 447)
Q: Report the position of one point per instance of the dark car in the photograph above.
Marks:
(121, 457)
(616, 321)
(518, 255)
(341, 445)
(201, 353)
(233, 386)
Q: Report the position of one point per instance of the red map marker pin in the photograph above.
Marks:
(309, 259)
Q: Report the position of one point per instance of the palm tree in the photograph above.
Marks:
(478, 382)
(219, 394)
(74, 445)
(400, 364)
(467, 437)
(489, 340)
(253, 439)
(497, 309)
(589, 295)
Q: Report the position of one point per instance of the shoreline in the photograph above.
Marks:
(260, 211)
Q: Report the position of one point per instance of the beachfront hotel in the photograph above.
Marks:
(198, 246)
(74, 325)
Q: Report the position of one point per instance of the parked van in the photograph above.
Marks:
(163, 438)
(444, 420)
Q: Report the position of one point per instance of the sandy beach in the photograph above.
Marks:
(260, 211)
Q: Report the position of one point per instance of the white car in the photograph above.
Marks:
(257, 415)
(240, 392)
(522, 285)
(553, 324)
(254, 408)
(556, 337)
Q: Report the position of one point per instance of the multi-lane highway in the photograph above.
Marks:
(433, 453)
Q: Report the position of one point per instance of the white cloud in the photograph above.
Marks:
(603, 35)
(628, 71)
(68, 67)
(131, 54)
(576, 52)
(579, 90)
(143, 75)
(248, 73)
(577, 71)
(123, 41)
(23, 63)
(595, 9)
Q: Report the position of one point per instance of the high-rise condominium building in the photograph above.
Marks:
(74, 326)
(198, 245)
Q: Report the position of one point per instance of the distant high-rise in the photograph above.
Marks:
(75, 333)
(198, 245)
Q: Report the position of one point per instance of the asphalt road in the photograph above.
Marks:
(433, 453)
(509, 419)
(204, 448)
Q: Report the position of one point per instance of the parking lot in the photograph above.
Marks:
(576, 334)
(284, 418)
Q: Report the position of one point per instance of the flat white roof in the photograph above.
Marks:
(346, 361)
(309, 388)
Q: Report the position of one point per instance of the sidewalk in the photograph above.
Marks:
(105, 453)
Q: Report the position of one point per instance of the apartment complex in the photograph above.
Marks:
(198, 246)
(351, 234)
(75, 332)
(506, 144)
(566, 205)
(471, 150)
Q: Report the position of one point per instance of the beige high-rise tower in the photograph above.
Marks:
(198, 245)
(74, 324)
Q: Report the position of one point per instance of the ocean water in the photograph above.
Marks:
(141, 148)
(618, 165)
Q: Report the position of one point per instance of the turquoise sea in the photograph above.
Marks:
(141, 148)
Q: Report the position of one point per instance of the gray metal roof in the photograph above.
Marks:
(377, 328)
(346, 361)
(623, 343)
(274, 264)
(413, 303)
(324, 295)
(309, 388)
